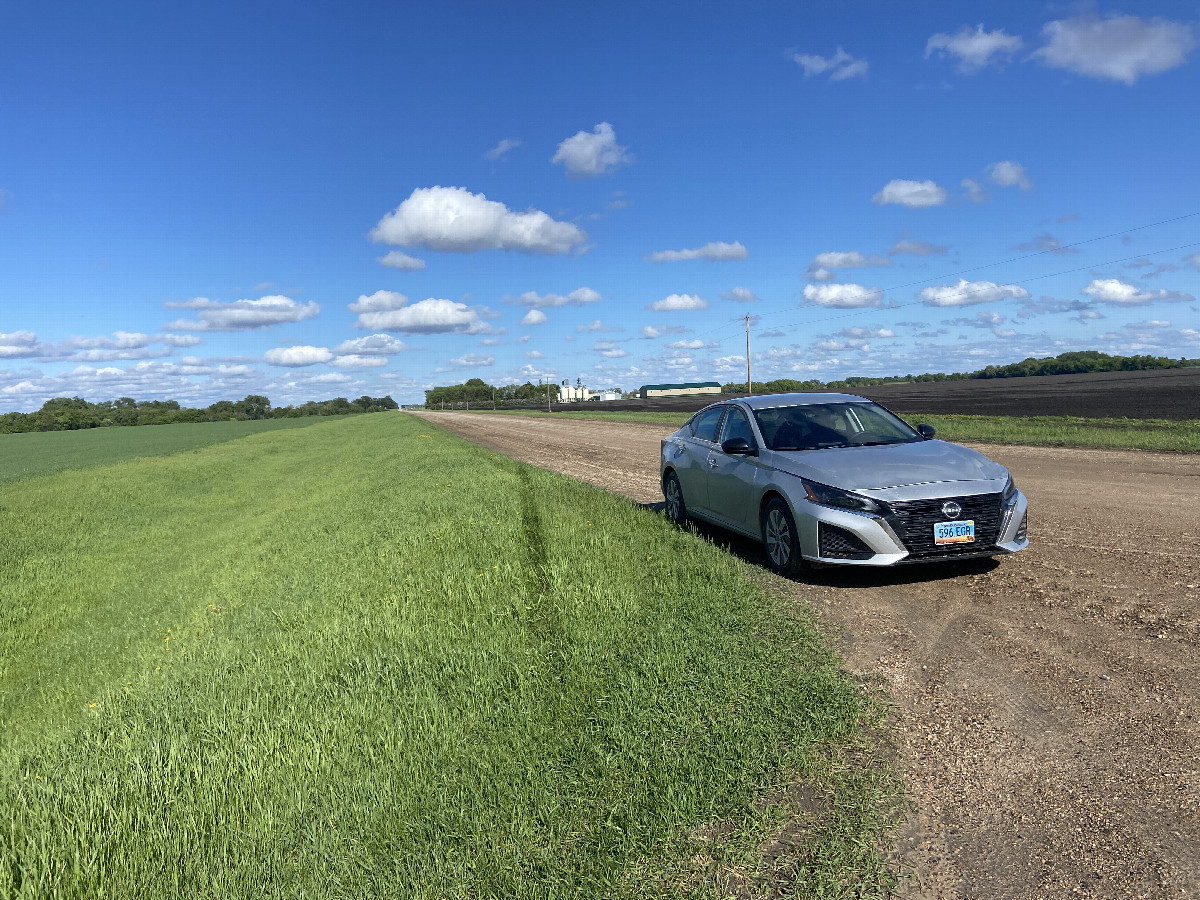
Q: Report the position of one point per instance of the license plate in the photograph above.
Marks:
(954, 532)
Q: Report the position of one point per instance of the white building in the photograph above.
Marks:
(568, 393)
(679, 390)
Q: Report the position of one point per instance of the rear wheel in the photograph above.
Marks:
(780, 539)
(673, 493)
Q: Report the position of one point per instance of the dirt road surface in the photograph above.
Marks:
(1047, 705)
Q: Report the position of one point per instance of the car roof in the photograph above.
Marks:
(771, 401)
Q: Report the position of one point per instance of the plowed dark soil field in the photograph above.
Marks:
(1156, 394)
(1047, 705)
(1153, 394)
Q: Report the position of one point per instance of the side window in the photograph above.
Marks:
(737, 426)
(706, 423)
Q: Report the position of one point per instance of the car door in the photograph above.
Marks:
(692, 463)
(734, 480)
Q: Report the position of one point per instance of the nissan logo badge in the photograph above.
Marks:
(951, 510)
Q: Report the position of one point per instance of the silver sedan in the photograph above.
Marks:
(835, 479)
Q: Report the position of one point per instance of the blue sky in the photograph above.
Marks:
(306, 200)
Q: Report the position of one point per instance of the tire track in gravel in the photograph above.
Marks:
(1047, 705)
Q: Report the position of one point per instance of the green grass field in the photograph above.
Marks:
(1163, 435)
(41, 452)
(367, 659)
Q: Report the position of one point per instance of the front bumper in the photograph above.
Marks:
(832, 536)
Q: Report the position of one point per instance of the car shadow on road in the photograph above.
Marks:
(839, 576)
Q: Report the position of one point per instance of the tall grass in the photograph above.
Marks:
(369, 659)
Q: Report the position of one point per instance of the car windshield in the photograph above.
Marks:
(818, 426)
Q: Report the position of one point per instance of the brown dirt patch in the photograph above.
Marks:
(1047, 706)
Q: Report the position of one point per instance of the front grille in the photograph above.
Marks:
(838, 543)
(913, 522)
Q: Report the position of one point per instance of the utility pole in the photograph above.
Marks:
(548, 397)
(749, 383)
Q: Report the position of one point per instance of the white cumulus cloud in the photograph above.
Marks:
(976, 49)
(842, 296)
(840, 66)
(969, 293)
(860, 332)
(739, 294)
(377, 302)
(713, 251)
(502, 148)
(431, 316)
(913, 194)
(534, 317)
(676, 302)
(1120, 293)
(358, 361)
(19, 345)
(976, 192)
(1117, 48)
(577, 297)
(301, 355)
(453, 220)
(588, 155)
(609, 350)
(371, 345)
(1009, 174)
(397, 259)
(824, 265)
(467, 360)
(241, 315)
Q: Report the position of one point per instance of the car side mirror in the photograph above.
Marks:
(926, 431)
(738, 446)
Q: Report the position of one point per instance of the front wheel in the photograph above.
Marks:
(673, 493)
(780, 539)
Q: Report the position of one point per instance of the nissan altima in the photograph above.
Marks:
(836, 479)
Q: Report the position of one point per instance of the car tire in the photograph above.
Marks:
(781, 541)
(676, 508)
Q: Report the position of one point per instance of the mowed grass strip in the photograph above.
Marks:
(1162, 435)
(369, 659)
(41, 452)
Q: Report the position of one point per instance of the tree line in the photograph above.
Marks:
(1074, 362)
(476, 391)
(72, 413)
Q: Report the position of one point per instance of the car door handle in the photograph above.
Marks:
(713, 462)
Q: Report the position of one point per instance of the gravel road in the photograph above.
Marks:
(1047, 705)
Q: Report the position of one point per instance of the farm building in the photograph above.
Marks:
(678, 390)
(568, 393)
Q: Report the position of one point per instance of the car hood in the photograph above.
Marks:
(896, 471)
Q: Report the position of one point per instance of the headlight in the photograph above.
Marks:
(831, 496)
(1010, 491)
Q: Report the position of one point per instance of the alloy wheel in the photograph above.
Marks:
(778, 538)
